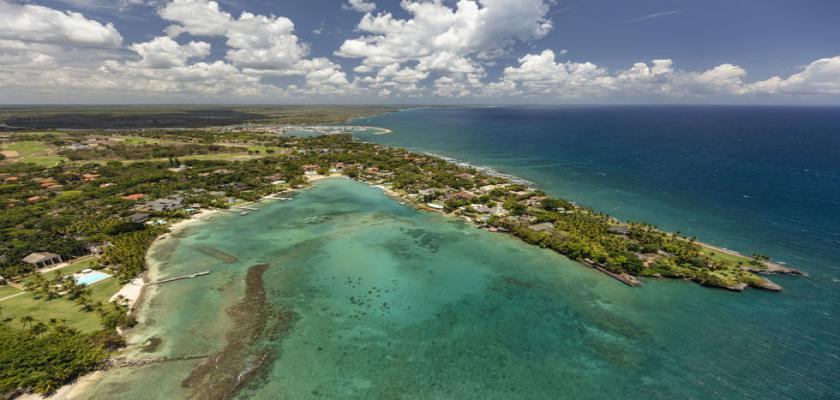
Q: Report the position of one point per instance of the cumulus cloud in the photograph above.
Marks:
(163, 52)
(541, 74)
(34, 23)
(446, 40)
(819, 77)
(257, 42)
(441, 49)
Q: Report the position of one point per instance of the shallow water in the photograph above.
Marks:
(390, 302)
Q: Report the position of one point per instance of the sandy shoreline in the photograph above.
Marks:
(137, 291)
(76, 390)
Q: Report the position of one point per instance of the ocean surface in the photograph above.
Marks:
(364, 298)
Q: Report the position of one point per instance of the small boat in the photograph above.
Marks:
(243, 213)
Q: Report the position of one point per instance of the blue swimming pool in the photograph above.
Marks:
(90, 277)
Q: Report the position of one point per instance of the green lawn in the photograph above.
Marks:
(27, 147)
(137, 141)
(33, 151)
(727, 258)
(6, 291)
(44, 310)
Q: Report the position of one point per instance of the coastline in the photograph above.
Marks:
(773, 267)
(77, 389)
(72, 391)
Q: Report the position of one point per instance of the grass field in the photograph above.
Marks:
(6, 291)
(727, 258)
(32, 151)
(43, 310)
(137, 141)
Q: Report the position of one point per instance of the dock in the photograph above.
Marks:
(178, 278)
(626, 279)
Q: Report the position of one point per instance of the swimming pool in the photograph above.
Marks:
(90, 277)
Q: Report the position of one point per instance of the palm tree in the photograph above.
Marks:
(27, 320)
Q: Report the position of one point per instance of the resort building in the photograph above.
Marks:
(42, 260)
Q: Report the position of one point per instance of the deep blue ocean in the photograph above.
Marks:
(753, 179)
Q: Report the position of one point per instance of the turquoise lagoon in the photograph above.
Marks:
(392, 303)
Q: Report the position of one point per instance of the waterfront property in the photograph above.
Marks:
(89, 277)
(42, 259)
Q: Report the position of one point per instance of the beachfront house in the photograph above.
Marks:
(42, 259)
(168, 204)
(619, 229)
(96, 248)
(138, 218)
(542, 227)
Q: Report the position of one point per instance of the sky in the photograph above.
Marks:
(420, 51)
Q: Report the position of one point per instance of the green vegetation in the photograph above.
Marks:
(41, 357)
(124, 188)
(7, 291)
(132, 117)
(35, 152)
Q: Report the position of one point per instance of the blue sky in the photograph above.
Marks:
(420, 51)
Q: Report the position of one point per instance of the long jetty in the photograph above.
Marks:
(628, 280)
(178, 278)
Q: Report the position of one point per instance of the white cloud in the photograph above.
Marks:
(259, 45)
(257, 42)
(362, 6)
(198, 17)
(446, 40)
(821, 77)
(163, 52)
(34, 23)
(541, 75)
(440, 50)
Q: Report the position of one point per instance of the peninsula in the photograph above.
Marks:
(100, 198)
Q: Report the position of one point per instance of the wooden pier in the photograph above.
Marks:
(178, 278)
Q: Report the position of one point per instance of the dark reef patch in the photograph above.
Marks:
(217, 254)
(246, 354)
